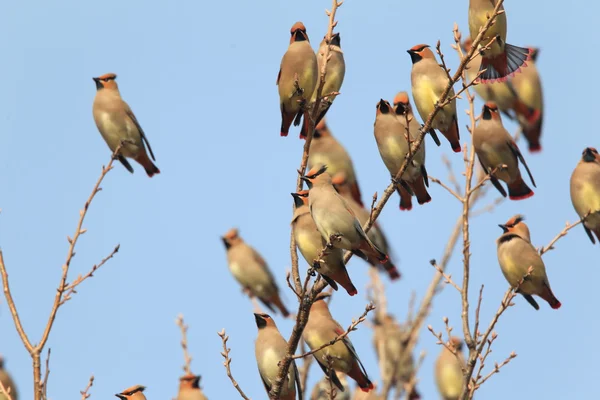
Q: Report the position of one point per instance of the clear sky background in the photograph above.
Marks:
(200, 77)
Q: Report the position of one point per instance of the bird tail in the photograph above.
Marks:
(418, 187)
(279, 304)
(414, 395)
(550, 298)
(499, 67)
(531, 115)
(360, 377)
(148, 165)
(453, 135)
(391, 270)
(305, 124)
(372, 251)
(286, 122)
(405, 199)
(532, 134)
(344, 280)
(518, 190)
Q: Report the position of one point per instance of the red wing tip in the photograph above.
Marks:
(283, 133)
(522, 197)
(386, 259)
(556, 305)
(534, 116)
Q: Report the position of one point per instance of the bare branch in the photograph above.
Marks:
(227, 363)
(562, 233)
(84, 393)
(184, 344)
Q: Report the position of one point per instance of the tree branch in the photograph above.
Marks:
(227, 363)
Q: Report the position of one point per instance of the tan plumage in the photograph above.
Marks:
(495, 147)
(585, 191)
(372, 395)
(189, 388)
(391, 137)
(321, 328)
(310, 243)
(335, 219)
(322, 389)
(395, 363)
(449, 370)
(298, 63)
(326, 150)
(116, 123)
(520, 97)
(516, 255)
(7, 382)
(500, 59)
(132, 393)
(252, 271)
(375, 234)
(429, 80)
(270, 348)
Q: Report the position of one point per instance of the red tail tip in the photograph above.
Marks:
(456, 148)
(283, 133)
(352, 292)
(394, 274)
(368, 388)
(535, 115)
(535, 148)
(556, 305)
(152, 173)
(402, 208)
(522, 197)
(302, 136)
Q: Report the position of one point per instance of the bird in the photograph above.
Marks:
(449, 370)
(585, 191)
(297, 78)
(335, 219)
(334, 77)
(252, 271)
(189, 388)
(375, 234)
(519, 98)
(133, 393)
(270, 348)
(372, 395)
(391, 135)
(320, 329)
(395, 362)
(325, 149)
(501, 59)
(499, 155)
(311, 243)
(117, 124)
(323, 388)
(516, 255)
(429, 80)
(7, 382)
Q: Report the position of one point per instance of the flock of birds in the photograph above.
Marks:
(330, 214)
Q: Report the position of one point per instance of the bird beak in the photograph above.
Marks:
(260, 321)
(504, 228)
(307, 180)
(335, 39)
(298, 201)
(225, 242)
(119, 395)
(383, 107)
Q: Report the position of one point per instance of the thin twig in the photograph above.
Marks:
(46, 375)
(84, 393)
(227, 363)
(184, 344)
(442, 184)
(562, 233)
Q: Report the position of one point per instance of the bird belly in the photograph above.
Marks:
(425, 97)
(393, 151)
(341, 359)
(309, 243)
(113, 131)
(452, 382)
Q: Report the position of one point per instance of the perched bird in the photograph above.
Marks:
(585, 191)
(326, 150)
(520, 97)
(391, 134)
(321, 328)
(500, 59)
(270, 348)
(132, 393)
(117, 124)
(189, 388)
(516, 255)
(429, 80)
(375, 234)
(7, 382)
(334, 77)
(497, 151)
(335, 219)
(297, 78)
(322, 389)
(311, 243)
(449, 370)
(395, 362)
(252, 272)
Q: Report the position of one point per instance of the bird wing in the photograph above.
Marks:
(339, 331)
(513, 147)
(137, 125)
(263, 264)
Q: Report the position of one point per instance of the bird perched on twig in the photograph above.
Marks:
(585, 191)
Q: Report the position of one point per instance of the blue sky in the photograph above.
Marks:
(200, 77)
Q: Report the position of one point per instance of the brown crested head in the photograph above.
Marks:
(106, 81)
(534, 52)
(456, 342)
(263, 320)
(316, 174)
(298, 33)
(231, 238)
(383, 107)
(419, 52)
(402, 104)
(321, 130)
(320, 302)
(401, 98)
(490, 111)
(590, 154)
(190, 381)
(300, 198)
(127, 393)
(336, 40)
(467, 44)
(517, 226)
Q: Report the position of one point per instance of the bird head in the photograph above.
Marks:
(516, 225)
(300, 198)
(590, 154)
(263, 320)
(321, 130)
(316, 174)
(383, 107)
(230, 238)
(190, 381)
(298, 33)
(490, 111)
(130, 392)
(419, 52)
(106, 81)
